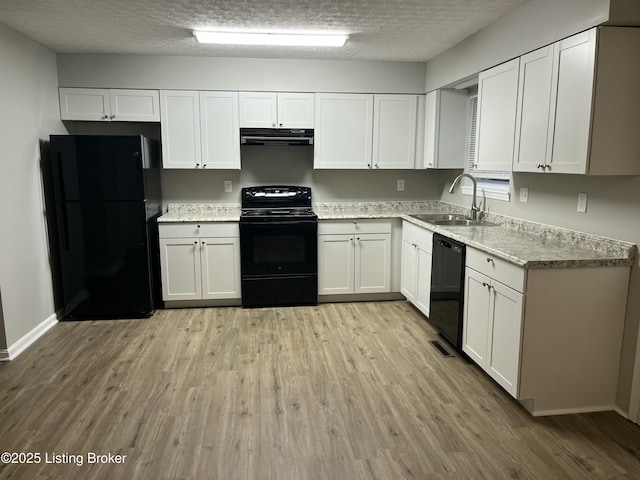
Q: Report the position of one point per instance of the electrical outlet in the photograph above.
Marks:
(228, 186)
(582, 202)
(400, 185)
(524, 195)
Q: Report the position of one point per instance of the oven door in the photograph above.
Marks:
(275, 248)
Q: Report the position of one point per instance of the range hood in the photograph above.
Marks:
(276, 136)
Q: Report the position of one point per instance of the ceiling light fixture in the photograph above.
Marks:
(279, 39)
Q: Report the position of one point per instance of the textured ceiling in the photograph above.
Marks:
(397, 30)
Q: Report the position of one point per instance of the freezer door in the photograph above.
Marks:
(97, 168)
(105, 259)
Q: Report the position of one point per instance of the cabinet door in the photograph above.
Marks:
(497, 100)
(180, 267)
(296, 110)
(84, 104)
(573, 85)
(423, 287)
(180, 126)
(409, 278)
(134, 105)
(535, 111)
(372, 263)
(343, 131)
(476, 318)
(220, 131)
(394, 131)
(432, 128)
(258, 109)
(335, 264)
(505, 331)
(220, 268)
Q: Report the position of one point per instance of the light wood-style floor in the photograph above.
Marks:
(338, 391)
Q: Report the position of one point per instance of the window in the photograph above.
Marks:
(491, 184)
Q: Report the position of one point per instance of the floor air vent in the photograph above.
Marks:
(443, 351)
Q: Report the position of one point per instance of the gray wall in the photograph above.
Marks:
(210, 73)
(30, 112)
(614, 202)
(535, 24)
(294, 165)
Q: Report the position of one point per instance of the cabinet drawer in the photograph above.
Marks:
(496, 268)
(338, 227)
(211, 229)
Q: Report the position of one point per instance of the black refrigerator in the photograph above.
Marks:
(106, 200)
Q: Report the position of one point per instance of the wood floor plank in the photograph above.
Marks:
(334, 391)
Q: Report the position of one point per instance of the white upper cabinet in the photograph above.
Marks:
(365, 131)
(578, 110)
(200, 129)
(276, 110)
(497, 100)
(394, 131)
(219, 130)
(180, 128)
(535, 113)
(344, 130)
(445, 129)
(296, 110)
(109, 105)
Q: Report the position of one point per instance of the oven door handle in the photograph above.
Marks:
(287, 223)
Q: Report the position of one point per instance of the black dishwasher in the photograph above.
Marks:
(447, 288)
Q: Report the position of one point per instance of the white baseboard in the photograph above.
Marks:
(21, 345)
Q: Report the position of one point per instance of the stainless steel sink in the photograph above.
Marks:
(451, 219)
(438, 217)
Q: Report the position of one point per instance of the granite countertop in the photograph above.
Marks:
(527, 244)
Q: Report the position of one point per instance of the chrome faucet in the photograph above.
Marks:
(474, 206)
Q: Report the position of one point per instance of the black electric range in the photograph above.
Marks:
(278, 247)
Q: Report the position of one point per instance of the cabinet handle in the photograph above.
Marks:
(540, 166)
(475, 166)
(358, 238)
(490, 260)
(197, 165)
(105, 117)
(280, 124)
(112, 117)
(547, 166)
(273, 124)
(198, 226)
(196, 242)
(369, 165)
(203, 243)
(204, 165)
(485, 284)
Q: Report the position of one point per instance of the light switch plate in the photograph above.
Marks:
(400, 185)
(524, 195)
(582, 202)
(228, 186)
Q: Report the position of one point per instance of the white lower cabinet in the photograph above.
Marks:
(416, 265)
(551, 337)
(354, 257)
(493, 327)
(200, 261)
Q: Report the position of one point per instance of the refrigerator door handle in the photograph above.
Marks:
(65, 226)
(63, 193)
